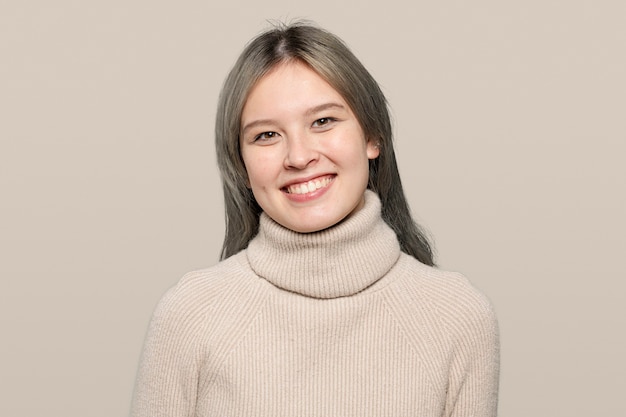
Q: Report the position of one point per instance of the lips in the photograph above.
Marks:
(306, 187)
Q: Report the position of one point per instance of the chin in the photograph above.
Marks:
(315, 226)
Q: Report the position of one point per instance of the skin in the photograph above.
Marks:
(304, 150)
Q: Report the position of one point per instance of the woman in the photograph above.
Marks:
(326, 302)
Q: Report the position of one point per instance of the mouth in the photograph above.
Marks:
(309, 186)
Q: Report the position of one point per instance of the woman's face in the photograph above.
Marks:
(304, 150)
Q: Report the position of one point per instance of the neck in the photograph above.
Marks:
(336, 262)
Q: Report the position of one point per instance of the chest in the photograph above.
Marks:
(330, 363)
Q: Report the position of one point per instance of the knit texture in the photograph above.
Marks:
(333, 323)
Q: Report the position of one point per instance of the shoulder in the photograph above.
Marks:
(448, 297)
(200, 295)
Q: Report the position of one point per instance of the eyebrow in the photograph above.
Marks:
(309, 112)
(323, 107)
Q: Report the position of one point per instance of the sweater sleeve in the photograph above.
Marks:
(474, 371)
(167, 378)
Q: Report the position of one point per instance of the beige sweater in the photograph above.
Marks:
(333, 323)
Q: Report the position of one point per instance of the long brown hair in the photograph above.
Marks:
(333, 61)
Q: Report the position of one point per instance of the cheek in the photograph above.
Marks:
(353, 151)
(354, 145)
(258, 168)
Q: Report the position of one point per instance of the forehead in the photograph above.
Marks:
(289, 86)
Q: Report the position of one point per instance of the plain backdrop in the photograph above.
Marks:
(511, 139)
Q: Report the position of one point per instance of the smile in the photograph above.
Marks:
(309, 186)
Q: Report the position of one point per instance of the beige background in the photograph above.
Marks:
(511, 140)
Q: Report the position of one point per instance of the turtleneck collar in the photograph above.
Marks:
(336, 262)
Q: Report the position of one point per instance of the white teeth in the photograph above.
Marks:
(309, 187)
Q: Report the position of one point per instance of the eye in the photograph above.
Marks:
(265, 136)
(324, 121)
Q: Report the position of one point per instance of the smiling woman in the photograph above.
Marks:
(326, 302)
(304, 151)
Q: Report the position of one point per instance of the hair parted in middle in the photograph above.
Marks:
(332, 60)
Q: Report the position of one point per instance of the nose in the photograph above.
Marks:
(300, 153)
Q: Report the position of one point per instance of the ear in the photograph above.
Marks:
(373, 148)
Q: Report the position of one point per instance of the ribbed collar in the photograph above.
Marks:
(336, 262)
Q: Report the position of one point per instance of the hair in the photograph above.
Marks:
(327, 55)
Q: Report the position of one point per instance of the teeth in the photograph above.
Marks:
(309, 187)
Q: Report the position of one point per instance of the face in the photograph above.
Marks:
(304, 150)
